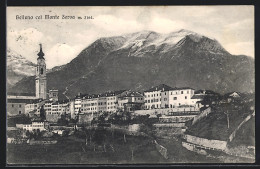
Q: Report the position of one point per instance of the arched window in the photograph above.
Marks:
(41, 71)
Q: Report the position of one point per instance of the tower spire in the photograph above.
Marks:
(40, 54)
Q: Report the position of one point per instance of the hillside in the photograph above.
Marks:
(215, 125)
(144, 59)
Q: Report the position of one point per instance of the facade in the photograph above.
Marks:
(41, 125)
(40, 80)
(90, 104)
(21, 106)
(163, 96)
(157, 97)
(181, 96)
(15, 107)
(130, 101)
(53, 95)
(78, 103)
(102, 104)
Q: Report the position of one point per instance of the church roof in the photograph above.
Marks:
(40, 54)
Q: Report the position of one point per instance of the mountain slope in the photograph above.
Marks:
(144, 59)
(18, 67)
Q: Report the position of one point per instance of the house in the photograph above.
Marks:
(155, 95)
(36, 125)
(164, 96)
(181, 96)
(231, 97)
(132, 106)
(53, 95)
(205, 98)
(134, 99)
(18, 105)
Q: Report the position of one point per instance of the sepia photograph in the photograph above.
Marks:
(130, 85)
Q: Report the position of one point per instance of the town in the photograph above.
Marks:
(96, 122)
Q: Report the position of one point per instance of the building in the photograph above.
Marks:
(40, 79)
(33, 105)
(54, 110)
(17, 102)
(153, 96)
(131, 101)
(17, 106)
(90, 104)
(181, 97)
(78, 103)
(53, 95)
(164, 96)
(36, 125)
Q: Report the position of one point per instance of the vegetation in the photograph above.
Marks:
(19, 119)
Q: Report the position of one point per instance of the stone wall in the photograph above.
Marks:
(159, 125)
(167, 111)
(176, 119)
(203, 114)
(192, 147)
(215, 144)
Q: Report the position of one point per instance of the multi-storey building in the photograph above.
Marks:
(131, 97)
(102, 104)
(89, 104)
(157, 97)
(181, 96)
(36, 125)
(78, 103)
(163, 96)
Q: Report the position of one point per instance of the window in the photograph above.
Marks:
(174, 98)
(185, 97)
(181, 92)
(188, 92)
(12, 105)
(165, 99)
(20, 112)
(41, 71)
(165, 93)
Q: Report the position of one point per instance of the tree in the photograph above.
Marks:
(42, 113)
(62, 121)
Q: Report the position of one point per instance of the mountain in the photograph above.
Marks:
(18, 67)
(144, 59)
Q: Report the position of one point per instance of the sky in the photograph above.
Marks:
(64, 39)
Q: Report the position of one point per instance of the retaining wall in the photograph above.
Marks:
(215, 144)
(203, 114)
(167, 111)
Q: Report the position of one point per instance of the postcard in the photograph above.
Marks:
(130, 85)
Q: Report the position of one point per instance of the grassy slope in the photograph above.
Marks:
(215, 125)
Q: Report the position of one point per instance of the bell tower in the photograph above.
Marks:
(40, 80)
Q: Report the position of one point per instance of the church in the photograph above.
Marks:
(16, 101)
